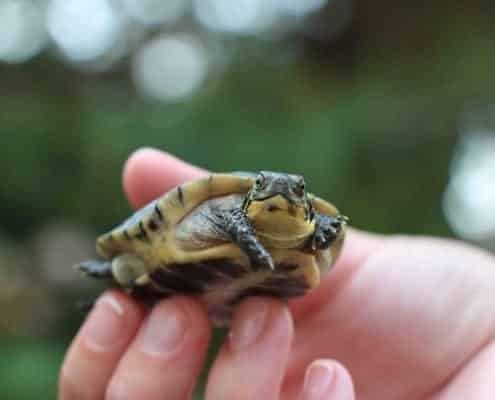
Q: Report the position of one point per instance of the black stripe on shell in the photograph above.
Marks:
(178, 283)
(280, 286)
(142, 234)
(180, 195)
(195, 278)
(228, 269)
(153, 225)
(159, 213)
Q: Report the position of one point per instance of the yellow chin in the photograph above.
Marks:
(278, 223)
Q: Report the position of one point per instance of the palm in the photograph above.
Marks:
(402, 314)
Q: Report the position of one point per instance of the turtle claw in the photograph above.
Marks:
(265, 259)
(327, 230)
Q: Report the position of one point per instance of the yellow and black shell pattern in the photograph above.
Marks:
(181, 251)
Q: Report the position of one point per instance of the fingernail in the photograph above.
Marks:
(318, 382)
(164, 330)
(248, 324)
(105, 324)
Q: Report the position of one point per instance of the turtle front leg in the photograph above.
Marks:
(237, 226)
(326, 231)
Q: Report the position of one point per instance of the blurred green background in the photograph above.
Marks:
(375, 103)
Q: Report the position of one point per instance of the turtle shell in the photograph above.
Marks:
(181, 251)
(150, 226)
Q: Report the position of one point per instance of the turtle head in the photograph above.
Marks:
(280, 192)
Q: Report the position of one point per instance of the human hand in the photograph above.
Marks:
(410, 318)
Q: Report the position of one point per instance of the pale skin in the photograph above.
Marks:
(398, 318)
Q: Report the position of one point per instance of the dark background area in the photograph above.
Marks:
(368, 104)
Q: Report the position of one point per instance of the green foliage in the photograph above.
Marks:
(29, 370)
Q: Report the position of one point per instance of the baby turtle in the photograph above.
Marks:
(222, 238)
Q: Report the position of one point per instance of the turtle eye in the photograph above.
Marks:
(301, 186)
(260, 181)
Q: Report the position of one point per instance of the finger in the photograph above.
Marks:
(165, 359)
(327, 380)
(96, 350)
(252, 363)
(148, 173)
(474, 380)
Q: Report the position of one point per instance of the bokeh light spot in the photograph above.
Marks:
(469, 201)
(154, 12)
(170, 67)
(22, 30)
(83, 29)
(240, 16)
(300, 8)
